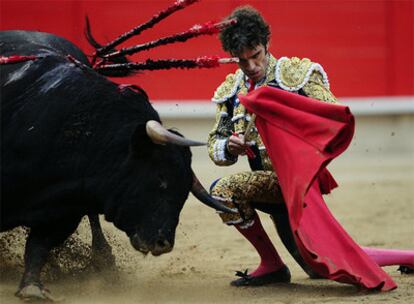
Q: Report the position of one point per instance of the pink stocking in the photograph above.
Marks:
(256, 235)
(387, 257)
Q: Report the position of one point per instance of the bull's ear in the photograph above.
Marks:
(141, 145)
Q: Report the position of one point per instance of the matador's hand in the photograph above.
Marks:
(236, 145)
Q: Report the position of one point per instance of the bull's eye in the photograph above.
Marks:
(163, 185)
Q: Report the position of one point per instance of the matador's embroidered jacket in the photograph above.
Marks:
(296, 75)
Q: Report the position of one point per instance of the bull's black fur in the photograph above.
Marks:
(73, 144)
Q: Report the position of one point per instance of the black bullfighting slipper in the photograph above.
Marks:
(406, 269)
(280, 276)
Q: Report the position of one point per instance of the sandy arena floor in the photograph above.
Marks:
(374, 203)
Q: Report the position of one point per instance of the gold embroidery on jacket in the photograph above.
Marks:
(315, 88)
(241, 189)
(293, 72)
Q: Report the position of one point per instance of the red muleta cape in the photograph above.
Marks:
(302, 136)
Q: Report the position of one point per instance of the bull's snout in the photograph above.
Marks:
(138, 244)
(160, 246)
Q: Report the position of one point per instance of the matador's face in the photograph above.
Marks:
(253, 62)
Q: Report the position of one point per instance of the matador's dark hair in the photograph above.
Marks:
(249, 31)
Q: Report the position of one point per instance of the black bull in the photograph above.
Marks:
(74, 143)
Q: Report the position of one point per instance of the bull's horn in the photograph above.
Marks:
(160, 135)
(202, 195)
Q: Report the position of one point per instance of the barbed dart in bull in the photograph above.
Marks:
(111, 62)
(208, 28)
(149, 64)
(178, 5)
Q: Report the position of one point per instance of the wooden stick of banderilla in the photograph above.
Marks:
(249, 127)
(249, 152)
